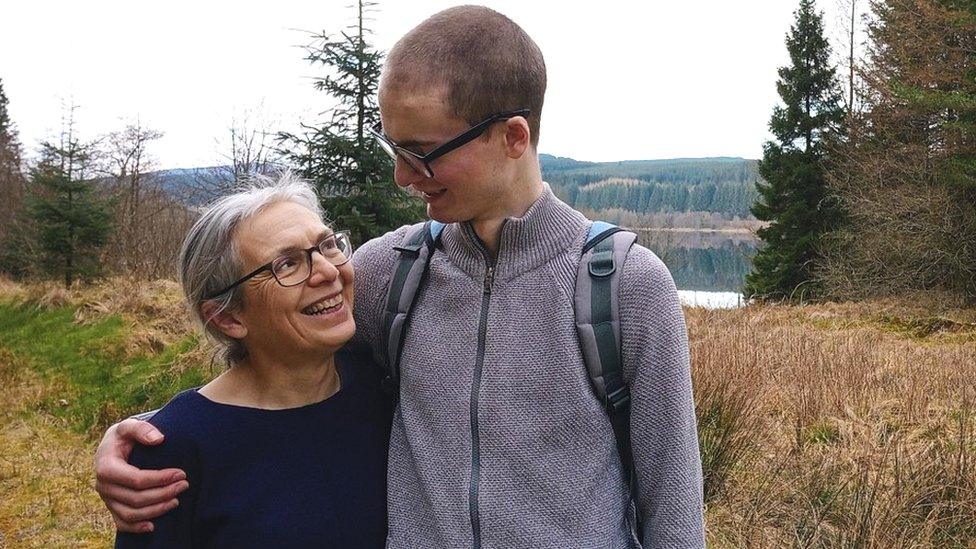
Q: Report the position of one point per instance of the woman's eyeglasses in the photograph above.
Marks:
(295, 266)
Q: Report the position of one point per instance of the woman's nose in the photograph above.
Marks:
(323, 271)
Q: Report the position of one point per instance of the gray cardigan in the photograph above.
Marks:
(498, 440)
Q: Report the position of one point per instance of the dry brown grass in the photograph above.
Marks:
(153, 310)
(46, 494)
(10, 289)
(833, 425)
(844, 425)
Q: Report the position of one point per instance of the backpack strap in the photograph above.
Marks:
(415, 252)
(598, 327)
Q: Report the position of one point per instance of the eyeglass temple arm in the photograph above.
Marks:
(242, 280)
(464, 137)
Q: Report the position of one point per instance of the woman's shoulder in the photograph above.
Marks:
(180, 422)
(182, 413)
(361, 381)
(357, 367)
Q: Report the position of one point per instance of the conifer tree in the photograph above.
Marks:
(909, 181)
(794, 196)
(11, 178)
(353, 176)
(72, 222)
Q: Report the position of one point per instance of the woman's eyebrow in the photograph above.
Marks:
(325, 233)
(286, 249)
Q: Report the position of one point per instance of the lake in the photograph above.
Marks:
(709, 267)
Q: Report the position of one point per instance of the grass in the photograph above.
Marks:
(849, 425)
(100, 376)
(46, 498)
(831, 425)
(71, 363)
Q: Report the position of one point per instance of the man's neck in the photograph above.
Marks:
(528, 191)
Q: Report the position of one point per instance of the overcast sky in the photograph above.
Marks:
(627, 79)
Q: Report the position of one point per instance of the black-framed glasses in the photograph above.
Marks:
(421, 162)
(295, 266)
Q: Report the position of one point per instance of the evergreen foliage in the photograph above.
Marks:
(71, 221)
(909, 179)
(11, 177)
(726, 197)
(10, 153)
(794, 196)
(353, 176)
(723, 185)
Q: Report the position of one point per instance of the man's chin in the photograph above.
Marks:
(443, 216)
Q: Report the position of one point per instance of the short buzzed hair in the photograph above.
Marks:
(485, 61)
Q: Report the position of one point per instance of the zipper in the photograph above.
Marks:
(475, 391)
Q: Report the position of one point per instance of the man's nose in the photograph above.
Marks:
(405, 175)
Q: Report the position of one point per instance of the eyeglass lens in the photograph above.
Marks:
(295, 267)
(411, 161)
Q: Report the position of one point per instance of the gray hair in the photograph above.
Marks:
(210, 259)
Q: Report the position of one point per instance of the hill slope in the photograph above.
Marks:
(721, 185)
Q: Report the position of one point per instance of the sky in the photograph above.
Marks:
(626, 79)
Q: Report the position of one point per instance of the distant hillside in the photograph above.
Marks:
(193, 186)
(720, 185)
(681, 192)
(198, 186)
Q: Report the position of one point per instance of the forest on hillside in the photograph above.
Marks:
(722, 185)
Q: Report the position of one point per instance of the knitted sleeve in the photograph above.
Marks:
(663, 426)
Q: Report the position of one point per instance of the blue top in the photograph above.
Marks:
(312, 476)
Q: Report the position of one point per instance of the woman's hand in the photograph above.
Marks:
(132, 495)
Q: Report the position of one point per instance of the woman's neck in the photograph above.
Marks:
(257, 383)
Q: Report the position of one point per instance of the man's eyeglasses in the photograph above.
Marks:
(421, 162)
(295, 267)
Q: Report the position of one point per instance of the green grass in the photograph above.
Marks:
(823, 432)
(90, 380)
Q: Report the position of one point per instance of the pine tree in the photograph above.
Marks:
(11, 177)
(72, 222)
(909, 181)
(794, 196)
(353, 176)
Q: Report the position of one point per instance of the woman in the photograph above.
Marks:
(287, 447)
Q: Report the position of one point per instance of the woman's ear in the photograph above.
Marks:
(518, 137)
(226, 321)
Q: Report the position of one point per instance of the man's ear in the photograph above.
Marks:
(226, 321)
(518, 137)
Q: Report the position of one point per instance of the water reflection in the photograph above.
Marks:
(710, 300)
(709, 268)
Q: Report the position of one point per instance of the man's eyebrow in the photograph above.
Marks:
(413, 143)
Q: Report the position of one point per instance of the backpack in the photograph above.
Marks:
(596, 307)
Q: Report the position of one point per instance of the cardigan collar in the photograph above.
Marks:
(547, 229)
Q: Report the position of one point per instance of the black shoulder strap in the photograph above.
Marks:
(598, 327)
(409, 274)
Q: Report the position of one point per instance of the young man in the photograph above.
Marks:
(498, 439)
